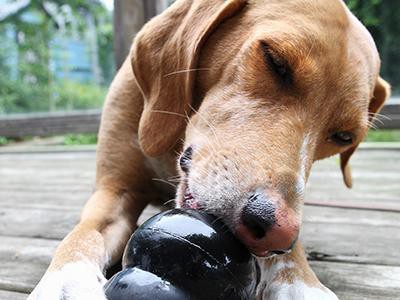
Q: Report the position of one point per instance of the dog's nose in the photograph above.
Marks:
(267, 226)
(258, 216)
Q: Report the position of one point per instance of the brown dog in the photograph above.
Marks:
(263, 89)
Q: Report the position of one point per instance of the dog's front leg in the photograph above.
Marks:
(123, 188)
(76, 271)
(290, 277)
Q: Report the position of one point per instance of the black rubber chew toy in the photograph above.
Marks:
(184, 254)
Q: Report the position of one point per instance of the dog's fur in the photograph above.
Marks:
(197, 76)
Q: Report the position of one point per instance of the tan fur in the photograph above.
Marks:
(247, 127)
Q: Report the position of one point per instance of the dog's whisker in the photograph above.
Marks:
(378, 115)
(168, 113)
(375, 119)
(186, 71)
(189, 121)
(208, 122)
(372, 125)
(175, 181)
(164, 181)
(169, 201)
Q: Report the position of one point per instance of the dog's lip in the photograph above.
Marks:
(186, 200)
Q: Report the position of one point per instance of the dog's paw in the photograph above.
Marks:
(74, 281)
(297, 290)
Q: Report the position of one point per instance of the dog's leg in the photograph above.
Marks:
(290, 277)
(123, 189)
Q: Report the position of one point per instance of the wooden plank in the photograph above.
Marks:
(47, 179)
(25, 260)
(17, 149)
(68, 178)
(355, 281)
(37, 223)
(329, 234)
(44, 124)
(356, 236)
(376, 176)
(46, 223)
(9, 295)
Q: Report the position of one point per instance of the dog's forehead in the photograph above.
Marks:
(326, 29)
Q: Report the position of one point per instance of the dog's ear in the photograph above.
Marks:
(164, 56)
(381, 93)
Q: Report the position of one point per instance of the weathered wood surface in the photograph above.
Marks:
(46, 124)
(328, 233)
(24, 260)
(355, 281)
(67, 179)
(12, 295)
(355, 252)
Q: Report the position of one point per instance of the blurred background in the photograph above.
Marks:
(57, 58)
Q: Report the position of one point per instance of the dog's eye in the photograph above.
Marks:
(276, 63)
(185, 159)
(342, 138)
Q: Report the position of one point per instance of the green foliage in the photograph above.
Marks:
(382, 19)
(80, 139)
(4, 141)
(106, 48)
(72, 95)
(367, 11)
(383, 135)
(32, 86)
(18, 97)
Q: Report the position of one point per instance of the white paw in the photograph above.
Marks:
(74, 281)
(297, 290)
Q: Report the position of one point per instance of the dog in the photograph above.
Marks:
(245, 95)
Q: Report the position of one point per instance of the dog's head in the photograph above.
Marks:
(263, 89)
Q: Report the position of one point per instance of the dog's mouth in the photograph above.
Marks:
(189, 201)
(186, 198)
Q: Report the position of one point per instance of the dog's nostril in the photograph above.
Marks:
(257, 231)
(185, 159)
(258, 215)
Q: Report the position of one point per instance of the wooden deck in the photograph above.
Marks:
(356, 252)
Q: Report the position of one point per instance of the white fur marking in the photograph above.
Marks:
(298, 291)
(303, 155)
(77, 281)
(268, 274)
